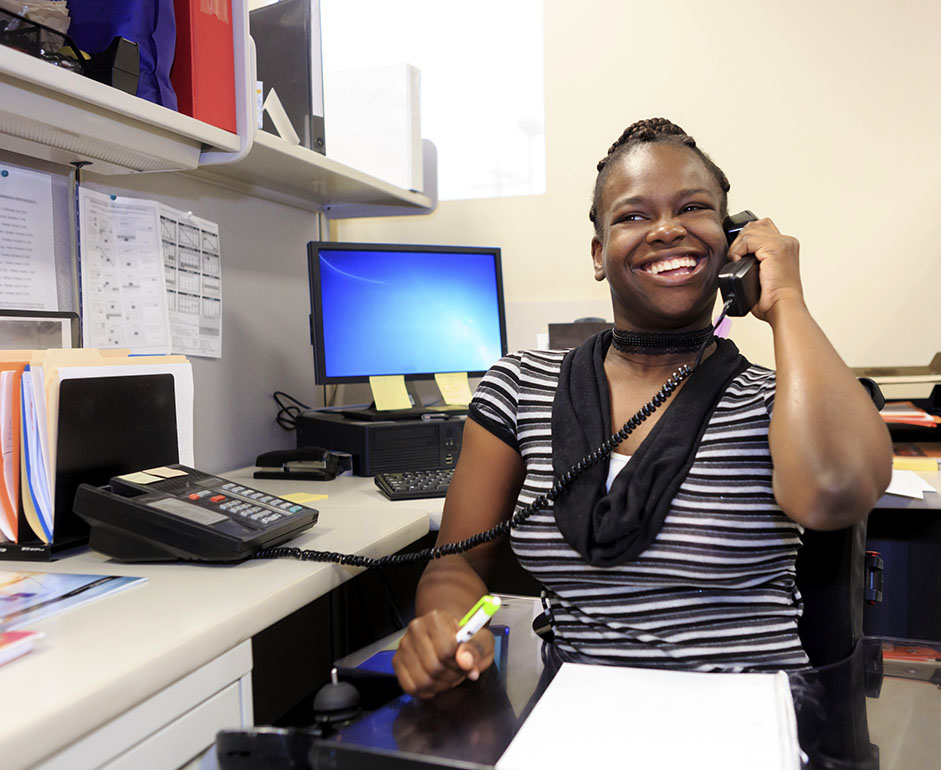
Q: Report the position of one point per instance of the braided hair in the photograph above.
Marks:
(651, 130)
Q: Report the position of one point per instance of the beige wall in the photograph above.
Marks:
(825, 116)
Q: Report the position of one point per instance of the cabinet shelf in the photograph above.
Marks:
(48, 112)
(277, 170)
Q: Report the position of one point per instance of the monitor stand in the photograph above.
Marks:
(371, 414)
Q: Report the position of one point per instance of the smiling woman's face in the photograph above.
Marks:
(662, 242)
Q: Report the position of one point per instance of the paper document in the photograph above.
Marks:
(908, 484)
(906, 412)
(193, 263)
(10, 388)
(607, 716)
(36, 485)
(27, 249)
(123, 285)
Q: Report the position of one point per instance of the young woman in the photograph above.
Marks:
(678, 550)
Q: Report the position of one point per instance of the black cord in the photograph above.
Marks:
(720, 319)
(449, 549)
(288, 412)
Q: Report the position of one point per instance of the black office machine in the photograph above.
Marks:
(377, 446)
(178, 513)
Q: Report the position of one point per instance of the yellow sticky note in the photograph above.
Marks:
(454, 388)
(141, 477)
(915, 464)
(389, 392)
(165, 473)
(302, 498)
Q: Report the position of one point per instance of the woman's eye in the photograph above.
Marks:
(630, 217)
(694, 207)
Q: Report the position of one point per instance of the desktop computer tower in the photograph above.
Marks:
(386, 445)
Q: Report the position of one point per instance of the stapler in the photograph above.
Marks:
(303, 463)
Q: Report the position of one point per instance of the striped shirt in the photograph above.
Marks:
(715, 591)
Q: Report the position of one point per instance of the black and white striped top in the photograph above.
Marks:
(716, 589)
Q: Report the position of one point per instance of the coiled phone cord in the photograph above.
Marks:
(448, 549)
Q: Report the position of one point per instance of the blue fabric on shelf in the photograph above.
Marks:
(149, 23)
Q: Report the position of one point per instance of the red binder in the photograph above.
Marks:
(203, 73)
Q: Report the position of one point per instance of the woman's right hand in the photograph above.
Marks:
(429, 659)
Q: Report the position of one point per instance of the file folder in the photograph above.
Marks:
(288, 55)
(203, 73)
(108, 420)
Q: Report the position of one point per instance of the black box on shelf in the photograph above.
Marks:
(288, 57)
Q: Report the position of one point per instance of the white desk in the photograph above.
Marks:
(146, 677)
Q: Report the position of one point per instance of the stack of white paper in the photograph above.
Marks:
(606, 716)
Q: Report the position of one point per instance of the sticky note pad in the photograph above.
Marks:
(454, 388)
(929, 464)
(141, 477)
(389, 392)
(165, 473)
(302, 498)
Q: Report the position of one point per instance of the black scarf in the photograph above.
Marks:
(611, 528)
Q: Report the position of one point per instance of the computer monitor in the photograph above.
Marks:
(382, 309)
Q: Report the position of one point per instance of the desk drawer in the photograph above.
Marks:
(173, 725)
(181, 740)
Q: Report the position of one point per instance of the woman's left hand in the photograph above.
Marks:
(778, 257)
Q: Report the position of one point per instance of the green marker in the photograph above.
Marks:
(477, 617)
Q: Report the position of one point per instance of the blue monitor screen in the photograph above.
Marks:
(410, 310)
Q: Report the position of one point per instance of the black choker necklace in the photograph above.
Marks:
(660, 342)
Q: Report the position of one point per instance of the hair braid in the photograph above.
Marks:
(651, 130)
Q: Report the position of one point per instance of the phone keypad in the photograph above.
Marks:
(251, 504)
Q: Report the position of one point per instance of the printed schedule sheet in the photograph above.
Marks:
(151, 277)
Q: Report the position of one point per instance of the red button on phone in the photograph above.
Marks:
(194, 496)
(217, 498)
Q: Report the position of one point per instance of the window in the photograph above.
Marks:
(481, 69)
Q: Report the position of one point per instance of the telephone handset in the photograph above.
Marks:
(738, 281)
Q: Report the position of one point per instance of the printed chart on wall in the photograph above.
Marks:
(193, 264)
(151, 277)
(124, 296)
(27, 256)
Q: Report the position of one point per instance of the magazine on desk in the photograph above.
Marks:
(26, 597)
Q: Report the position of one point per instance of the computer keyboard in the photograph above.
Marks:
(414, 485)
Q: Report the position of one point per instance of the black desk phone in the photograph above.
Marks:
(738, 281)
(178, 513)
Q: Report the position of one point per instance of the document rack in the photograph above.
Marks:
(106, 426)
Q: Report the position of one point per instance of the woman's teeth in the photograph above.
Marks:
(670, 264)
